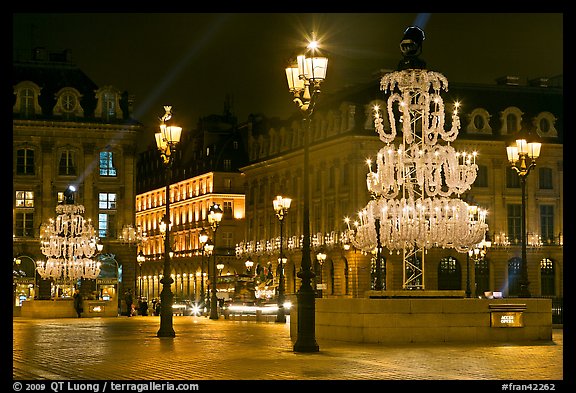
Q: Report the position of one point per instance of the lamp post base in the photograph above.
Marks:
(306, 340)
(281, 315)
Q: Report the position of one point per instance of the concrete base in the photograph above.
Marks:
(407, 320)
(64, 308)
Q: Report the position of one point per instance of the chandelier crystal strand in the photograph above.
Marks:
(69, 243)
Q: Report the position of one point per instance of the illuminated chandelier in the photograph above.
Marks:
(69, 243)
(412, 206)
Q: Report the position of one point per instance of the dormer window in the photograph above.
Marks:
(27, 99)
(68, 103)
(479, 122)
(108, 106)
(511, 120)
(545, 124)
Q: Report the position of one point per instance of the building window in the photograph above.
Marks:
(547, 224)
(25, 161)
(228, 184)
(106, 216)
(227, 209)
(482, 276)
(514, 276)
(24, 224)
(479, 122)
(227, 165)
(107, 201)
(108, 106)
(514, 223)
(373, 272)
(24, 199)
(26, 104)
(107, 164)
(27, 98)
(545, 178)
(481, 176)
(545, 124)
(511, 123)
(66, 165)
(547, 277)
(449, 274)
(227, 239)
(512, 178)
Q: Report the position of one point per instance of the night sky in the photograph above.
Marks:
(192, 61)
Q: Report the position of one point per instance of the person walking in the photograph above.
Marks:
(129, 301)
(78, 303)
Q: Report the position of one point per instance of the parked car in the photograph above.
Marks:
(182, 307)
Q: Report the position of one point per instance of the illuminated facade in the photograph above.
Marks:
(190, 200)
(343, 138)
(69, 131)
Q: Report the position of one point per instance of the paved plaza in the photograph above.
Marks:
(125, 348)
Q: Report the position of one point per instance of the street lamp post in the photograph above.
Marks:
(203, 238)
(304, 80)
(214, 217)
(166, 141)
(518, 154)
(281, 206)
(208, 248)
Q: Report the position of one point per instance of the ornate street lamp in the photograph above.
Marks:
(281, 206)
(166, 141)
(140, 258)
(477, 253)
(214, 217)
(304, 80)
(518, 153)
(203, 238)
(321, 257)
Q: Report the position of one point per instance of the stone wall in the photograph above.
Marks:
(409, 320)
(65, 309)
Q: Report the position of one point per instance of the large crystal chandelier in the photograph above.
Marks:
(413, 207)
(69, 243)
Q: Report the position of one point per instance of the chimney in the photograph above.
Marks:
(508, 80)
(538, 82)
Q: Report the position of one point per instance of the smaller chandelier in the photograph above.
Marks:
(69, 243)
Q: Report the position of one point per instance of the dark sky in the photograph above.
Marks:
(193, 60)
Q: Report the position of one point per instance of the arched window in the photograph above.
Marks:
(514, 276)
(547, 275)
(449, 274)
(482, 276)
(373, 275)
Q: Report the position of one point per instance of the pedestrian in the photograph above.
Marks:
(157, 308)
(78, 303)
(128, 299)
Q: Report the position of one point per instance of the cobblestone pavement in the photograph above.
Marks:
(127, 349)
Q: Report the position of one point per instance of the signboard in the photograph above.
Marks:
(321, 286)
(507, 315)
(506, 319)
